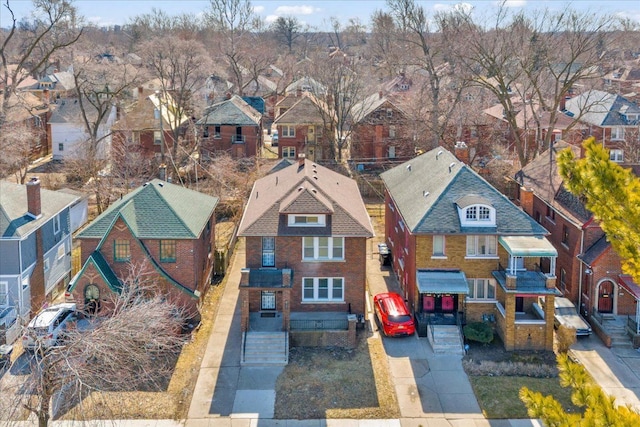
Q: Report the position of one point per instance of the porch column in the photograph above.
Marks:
(510, 321)
(286, 309)
(552, 268)
(244, 299)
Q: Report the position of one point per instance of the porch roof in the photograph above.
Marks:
(442, 282)
(627, 282)
(528, 246)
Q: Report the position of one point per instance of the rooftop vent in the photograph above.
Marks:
(452, 165)
(425, 193)
(409, 168)
(438, 154)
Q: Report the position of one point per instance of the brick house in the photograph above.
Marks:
(232, 126)
(611, 119)
(306, 230)
(588, 269)
(27, 111)
(168, 228)
(301, 127)
(380, 131)
(463, 252)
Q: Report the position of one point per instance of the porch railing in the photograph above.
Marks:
(319, 324)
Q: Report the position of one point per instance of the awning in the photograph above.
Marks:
(442, 282)
(528, 246)
(627, 282)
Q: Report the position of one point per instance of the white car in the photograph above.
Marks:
(567, 316)
(45, 330)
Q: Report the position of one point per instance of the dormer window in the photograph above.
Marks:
(476, 211)
(296, 220)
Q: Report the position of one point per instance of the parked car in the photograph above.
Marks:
(565, 314)
(47, 328)
(393, 315)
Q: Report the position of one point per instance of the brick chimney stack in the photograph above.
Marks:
(34, 203)
(462, 152)
(301, 158)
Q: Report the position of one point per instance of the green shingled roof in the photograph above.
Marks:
(157, 210)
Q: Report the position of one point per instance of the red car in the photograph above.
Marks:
(393, 315)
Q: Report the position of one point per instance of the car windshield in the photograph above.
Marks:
(400, 318)
(565, 311)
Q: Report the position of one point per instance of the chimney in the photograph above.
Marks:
(462, 152)
(301, 158)
(526, 200)
(162, 172)
(34, 203)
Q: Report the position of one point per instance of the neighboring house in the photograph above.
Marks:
(612, 119)
(69, 134)
(165, 227)
(305, 84)
(381, 131)
(306, 230)
(588, 270)
(26, 111)
(141, 130)
(625, 80)
(35, 245)
(463, 252)
(59, 84)
(231, 126)
(301, 128)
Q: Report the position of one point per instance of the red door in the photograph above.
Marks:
(605, 297)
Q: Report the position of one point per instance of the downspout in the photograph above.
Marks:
(581, 271)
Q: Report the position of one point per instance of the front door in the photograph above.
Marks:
(605, 297)
(268, 300)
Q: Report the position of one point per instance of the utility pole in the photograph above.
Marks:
(159, 111)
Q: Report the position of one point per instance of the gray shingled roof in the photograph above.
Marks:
(602, 108)
(303, 112)
(594, 251)
(234, 111)
(323, 191)
(157, 210)
(425, 191)
(14, 221)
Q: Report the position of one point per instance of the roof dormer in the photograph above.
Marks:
(476, 211)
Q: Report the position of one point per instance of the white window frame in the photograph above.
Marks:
(4, 294)
(617, 133)
(477, 216)
(333, 284)
(616, 155)
(482, 286)
(288, 131)
(392, 152)
(317, 244)
(392, 131)
(56, 224)
(307, 220)
(288, 152)
(441, 243)
(157, 137)
(268, 251)
(474, 243)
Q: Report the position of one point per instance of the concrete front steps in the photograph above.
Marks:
(446, 339)
(265, 349)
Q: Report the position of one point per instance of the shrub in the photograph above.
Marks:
(565, 338)
(478, 331)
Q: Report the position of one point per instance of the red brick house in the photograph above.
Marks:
(168, 228)
(231, 126)
(464, 253)
(302, 128)
(380, 131)
(306, 230)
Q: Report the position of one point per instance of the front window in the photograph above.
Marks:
(320, 289)
(216, 132)
(307, 220)
(322, 248)
(289, 152)
(4, 293)
(122, 251)
(616, 155)
(56, 224)
(268, 251)
(157, 137)
(482, 289)
(478, 213)
(392, 131)
(438, 245)
(60, 146)
(288, 131)
(482, 246)
(167, 251)
(617, 133)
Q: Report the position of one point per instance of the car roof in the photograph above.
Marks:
(393, 303)
(563, 302)
(46, 316)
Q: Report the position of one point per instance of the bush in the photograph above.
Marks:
(478, 331)
(565, 338)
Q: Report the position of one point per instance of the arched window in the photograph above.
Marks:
(91, 298)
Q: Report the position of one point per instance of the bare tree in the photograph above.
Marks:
(385, 49)
(287, 30)
(27, 47)
(134, 347)
(16, 146)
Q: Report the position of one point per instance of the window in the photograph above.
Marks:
(538, 217)
(216, 132)
(392, 152)
(392, 131)
(389, 113)
(61, 147)
(481, 246)
(322, 289)
(482, 289)
(56, 224)
(4, 293)
(617, 133)
(323, 248)
(268, 251)
(478, 213)
(46, 265)
(289, 152)
(157, 137)
(307, 220)
(121, 250)
(288, 131)
(438, 245)
(616, 155)
(551, 214)
(565, 235)
(167, 251)
(563, 279)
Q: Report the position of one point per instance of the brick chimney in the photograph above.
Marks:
(34, 203)
(462, 152)
(526, 200)
(301, 158)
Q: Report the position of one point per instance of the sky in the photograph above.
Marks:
(314, 13)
